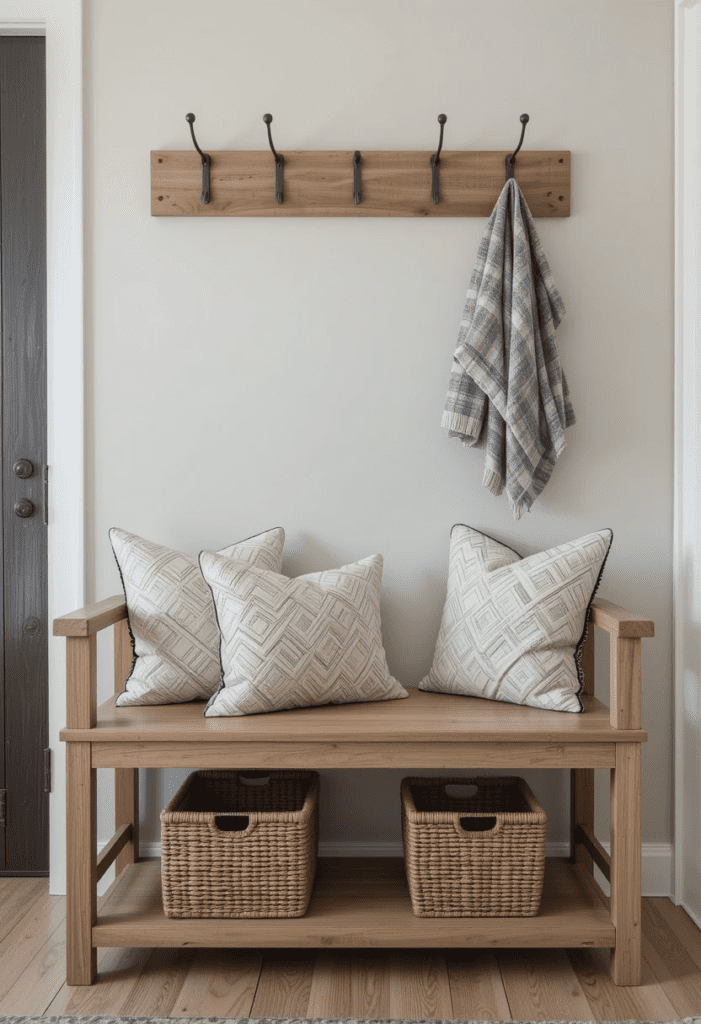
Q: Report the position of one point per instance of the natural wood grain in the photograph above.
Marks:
(159, 984)
(119, 970)
(349, 983)
(671, 941)
(81, 868)
(17, 896)
(219, 983)
(319, 183)
(126, 780)
(612, 1002)
(421, 719)
(41, 981)
(619, 621)
(358, 902)
(541, 985)
(476, 988)
(81, 682)
(284, 985)
(126, 812)
(118, 973)
(123, 654)
(596, 851)
(581, 813)
(330, 988)
(91, 619)
(110, 853)
(28, 937)
(679, 923)
(626, 864)
(672, 965)
(353, 755)
(626, 683)
(605, 899)
(419, 988)
(369, 985)
(32, 972)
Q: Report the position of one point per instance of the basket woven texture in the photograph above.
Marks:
(495, 869)
(264, 867)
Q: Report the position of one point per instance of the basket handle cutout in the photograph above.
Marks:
(232, 822)
(460, 791)
(254, 780)
(482, 824)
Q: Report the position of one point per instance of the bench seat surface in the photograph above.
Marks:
(421, 718)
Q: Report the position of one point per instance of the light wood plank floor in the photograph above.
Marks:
(475, 984)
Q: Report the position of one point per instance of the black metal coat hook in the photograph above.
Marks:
(357, 185)
(435, 159)
(279, 162)
(206, 161)
(511, 158)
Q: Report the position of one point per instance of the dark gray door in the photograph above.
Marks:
(24, 829)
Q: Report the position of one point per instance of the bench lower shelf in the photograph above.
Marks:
(357, 902)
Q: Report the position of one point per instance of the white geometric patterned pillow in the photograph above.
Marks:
(172, 623)
(288, 643)
(513, 628)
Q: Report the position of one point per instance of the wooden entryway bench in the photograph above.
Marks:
(356, 902)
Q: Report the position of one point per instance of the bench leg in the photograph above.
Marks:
(626, 962)
(126, 780)
(582, 779)
(126, 812)
(81, 834)
(581, 813)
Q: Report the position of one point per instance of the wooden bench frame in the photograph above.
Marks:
(356, 902)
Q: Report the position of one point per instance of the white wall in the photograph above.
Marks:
(247, 373)
(687, 553)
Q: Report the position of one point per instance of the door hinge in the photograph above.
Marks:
(47, 770)
(2, 806)
(46, 495)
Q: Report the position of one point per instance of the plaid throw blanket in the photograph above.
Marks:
(507, 393)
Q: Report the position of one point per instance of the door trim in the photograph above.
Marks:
(62, 23)
(687, 459)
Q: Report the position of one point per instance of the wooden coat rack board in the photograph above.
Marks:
(319, 183)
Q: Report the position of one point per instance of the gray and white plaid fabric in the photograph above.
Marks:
(507, 392)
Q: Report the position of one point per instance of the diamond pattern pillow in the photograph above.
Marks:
(288, 643)
(512, 627)
(171, 617)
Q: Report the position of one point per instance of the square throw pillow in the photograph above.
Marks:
(512, 627)
(289, 643)
(171, 616)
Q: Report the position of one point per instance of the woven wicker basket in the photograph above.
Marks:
(473, 856)
(240, 844)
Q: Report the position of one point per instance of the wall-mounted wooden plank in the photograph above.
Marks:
(319, 183)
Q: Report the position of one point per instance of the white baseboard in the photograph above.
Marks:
(656, 859)
(657, 869)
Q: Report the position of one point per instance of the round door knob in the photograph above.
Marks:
(24, 508)
(23, 468)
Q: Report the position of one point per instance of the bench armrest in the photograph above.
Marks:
(618, 621)
(80, 629)
(91, 619)
(625, 655)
